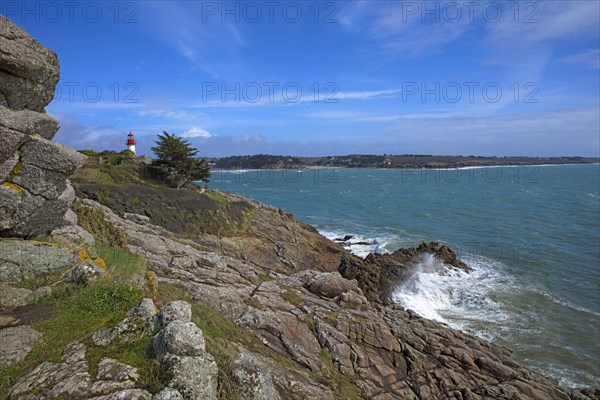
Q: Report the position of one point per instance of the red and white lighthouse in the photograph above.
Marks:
(130, 142)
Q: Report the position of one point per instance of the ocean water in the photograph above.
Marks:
(530, 233)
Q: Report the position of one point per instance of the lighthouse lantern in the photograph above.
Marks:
(130, 142)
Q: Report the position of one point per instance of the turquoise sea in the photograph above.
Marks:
(530, 233)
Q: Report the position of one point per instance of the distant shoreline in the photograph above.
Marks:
(258, 162)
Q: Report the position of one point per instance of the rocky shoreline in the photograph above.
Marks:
(156, 294)
(315, 334)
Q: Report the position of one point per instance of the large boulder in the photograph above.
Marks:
(253, 378)
(179, 346)
(29, 72)
(22, 260)
(34, 190)
(15, 343)
(378, 275)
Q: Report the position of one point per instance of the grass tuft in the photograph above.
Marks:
(123, 265)
(104, 232)
(215, 196)
(265, 278)
(254, 302)
(293, 298)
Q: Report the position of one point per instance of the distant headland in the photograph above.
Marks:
(266, 161)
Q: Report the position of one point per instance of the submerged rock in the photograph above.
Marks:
(378, 275)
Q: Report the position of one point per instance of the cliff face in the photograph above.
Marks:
(34, 190)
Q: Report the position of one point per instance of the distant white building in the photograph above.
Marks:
(130, 142)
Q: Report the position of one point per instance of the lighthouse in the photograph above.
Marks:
(130, 142)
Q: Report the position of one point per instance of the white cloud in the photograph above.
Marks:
(179, 115)
(365, 95)
(195, 132)
(589, 58)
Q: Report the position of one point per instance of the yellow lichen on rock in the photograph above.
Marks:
(13, 186)
(17, 168)
(151, 284)
(84, 255)
(99, 261)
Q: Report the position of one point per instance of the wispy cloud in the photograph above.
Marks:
(588, 59)
(279, 98)
(546, 21)
(399, 31)
(367, 95)
(515, 133)
(528, 41)
(172, 114)
(209, 45)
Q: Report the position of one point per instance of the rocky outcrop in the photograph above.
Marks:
(34, 190)
(309, 335)
(85, 273)
(319, 323)
(277, 241)
(138, 321)
(15, 343)
(335, 339)
(72, 379)
(379, 274)
(24, 261)
(257, 234)
(179, 346)
(252, 377)
(28, 271)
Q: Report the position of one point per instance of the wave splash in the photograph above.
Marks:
(465, 301)
(488, 303)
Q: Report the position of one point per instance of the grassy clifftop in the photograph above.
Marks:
(128, 188)
(265, 236)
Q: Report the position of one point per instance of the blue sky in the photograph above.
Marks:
(319, 78)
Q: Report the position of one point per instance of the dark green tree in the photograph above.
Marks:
(177, 163)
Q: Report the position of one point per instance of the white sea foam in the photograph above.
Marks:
(565, 303)
(353, 246)
(478, 302)
(507, 166)
(568, 377)
(234, 171)
(459, 299)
